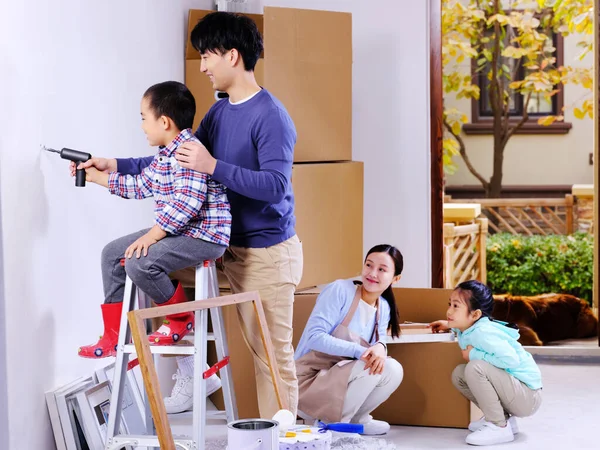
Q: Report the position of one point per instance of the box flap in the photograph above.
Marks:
(194, 17)
(308, 67)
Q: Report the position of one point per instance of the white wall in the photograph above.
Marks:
(390, 121)
(72, 75)
(3, 361)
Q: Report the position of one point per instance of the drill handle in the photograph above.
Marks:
(79, 177)
(77, 157)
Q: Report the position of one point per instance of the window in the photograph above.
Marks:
(481, 121)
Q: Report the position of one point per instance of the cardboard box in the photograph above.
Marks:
(426, 396)
(307, 65)
(332, 242)
(329, 220)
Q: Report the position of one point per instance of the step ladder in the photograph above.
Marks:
(206, 286)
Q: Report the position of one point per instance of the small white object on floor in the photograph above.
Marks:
(285, 418)
(306, 435)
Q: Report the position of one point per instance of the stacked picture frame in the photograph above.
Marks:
(79, 410)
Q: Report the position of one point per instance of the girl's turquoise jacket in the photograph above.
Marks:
(497, 344)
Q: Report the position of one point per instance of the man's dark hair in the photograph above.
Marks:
(173, 100)
(221, 31)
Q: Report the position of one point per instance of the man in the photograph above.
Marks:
(248, 146)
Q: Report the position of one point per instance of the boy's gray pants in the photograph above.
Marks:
(151, 273)
(496, 392)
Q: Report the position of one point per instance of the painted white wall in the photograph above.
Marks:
(536, 159)
(3, 361)
(72, 75)
(390, 122)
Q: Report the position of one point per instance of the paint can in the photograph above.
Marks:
(253, 434)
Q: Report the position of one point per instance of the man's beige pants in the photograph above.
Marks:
(497, 393)
(274, 272)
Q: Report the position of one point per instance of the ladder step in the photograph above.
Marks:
(145, 441)
(164, 349)
(214, 414)
(181, 349)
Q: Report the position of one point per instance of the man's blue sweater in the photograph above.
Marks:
(253, 143)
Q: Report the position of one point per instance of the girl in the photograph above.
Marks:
(500, 377)
(341, 360)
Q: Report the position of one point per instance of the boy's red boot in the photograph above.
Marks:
(175, 326)
(106, 346)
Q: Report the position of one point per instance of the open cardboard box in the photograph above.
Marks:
(307, 65)
(426, 396)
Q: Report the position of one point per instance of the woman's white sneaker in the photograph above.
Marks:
(375, 428)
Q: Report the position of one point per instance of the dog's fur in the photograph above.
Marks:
(547, 318)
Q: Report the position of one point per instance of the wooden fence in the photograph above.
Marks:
(465, 252)
(527, 216)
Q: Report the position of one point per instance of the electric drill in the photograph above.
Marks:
(75, 156)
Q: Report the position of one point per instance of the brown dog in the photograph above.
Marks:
(547, 318)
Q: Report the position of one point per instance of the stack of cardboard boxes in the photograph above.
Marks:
(307, 64)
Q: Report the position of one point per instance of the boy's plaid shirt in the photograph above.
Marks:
(186, 202)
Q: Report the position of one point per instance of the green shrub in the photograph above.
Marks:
(532, 265)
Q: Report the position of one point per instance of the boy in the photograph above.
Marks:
(192, 220)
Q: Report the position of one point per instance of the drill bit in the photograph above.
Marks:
(50, 149)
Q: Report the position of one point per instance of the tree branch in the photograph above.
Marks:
(463, 153)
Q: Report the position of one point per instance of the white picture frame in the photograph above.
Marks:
(65, 413)
(133, 404)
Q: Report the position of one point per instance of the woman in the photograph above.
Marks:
(341, 360)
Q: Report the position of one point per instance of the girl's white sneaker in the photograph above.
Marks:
(490, 434)
(477, 424)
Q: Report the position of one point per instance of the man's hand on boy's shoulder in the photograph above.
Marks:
(193, 155)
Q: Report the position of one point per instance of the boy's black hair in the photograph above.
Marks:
(174, 100)
(479, 297)
(222, 31)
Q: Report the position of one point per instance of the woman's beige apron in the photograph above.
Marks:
(323, 379)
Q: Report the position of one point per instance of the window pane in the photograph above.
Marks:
(538, 104)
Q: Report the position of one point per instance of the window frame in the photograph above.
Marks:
(483, 124)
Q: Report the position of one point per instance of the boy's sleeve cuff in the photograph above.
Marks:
(113, 182)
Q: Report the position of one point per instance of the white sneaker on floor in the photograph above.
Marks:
(375, 428)
(182, 395)
(477, 424)
(490, 434)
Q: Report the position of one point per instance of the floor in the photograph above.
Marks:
(567, 419)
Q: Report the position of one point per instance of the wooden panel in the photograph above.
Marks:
(437, 135)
